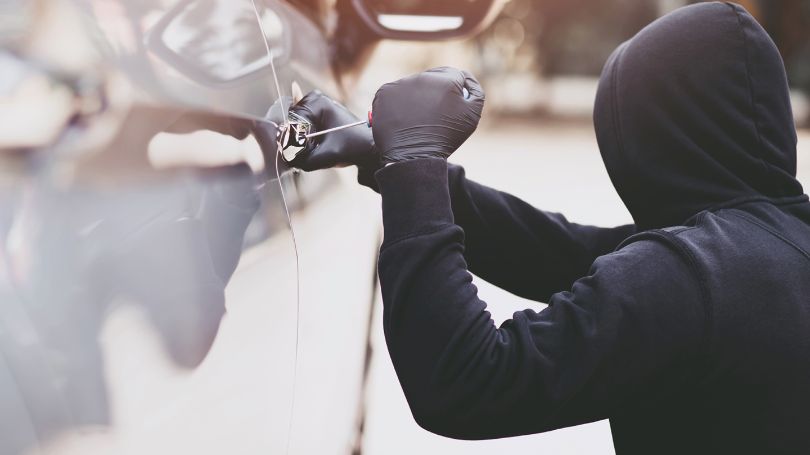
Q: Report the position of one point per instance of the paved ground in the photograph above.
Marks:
(553, 166)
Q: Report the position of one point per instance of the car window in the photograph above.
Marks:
(204, 54)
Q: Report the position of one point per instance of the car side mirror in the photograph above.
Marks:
(426, 19)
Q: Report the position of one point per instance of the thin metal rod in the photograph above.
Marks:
(270, 55)
(337, 128)
(279, 148)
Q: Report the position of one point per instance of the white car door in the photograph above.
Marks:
(153, 299)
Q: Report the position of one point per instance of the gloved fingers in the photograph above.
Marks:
(442, 70)
(312, 97)
(265, 133)
(462, 79)
(473, 86)
(448, 73)
(312, 106)
(322, 111)
(314, 159)
(380, 91)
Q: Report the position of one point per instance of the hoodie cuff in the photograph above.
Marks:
(365, 177)
(415, 197)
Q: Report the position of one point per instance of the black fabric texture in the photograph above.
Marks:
(690, 330)
(695, 111)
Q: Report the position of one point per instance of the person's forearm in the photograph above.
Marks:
(529, 252)
(434, 323)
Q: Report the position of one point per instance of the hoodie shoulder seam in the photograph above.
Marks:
(745, 217)
(671, 240)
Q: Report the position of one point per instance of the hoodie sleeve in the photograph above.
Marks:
(528, 252)
(620, 338)
(511, 244)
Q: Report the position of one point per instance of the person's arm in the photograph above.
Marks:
(507, 240)
(629, 331)
(513, 245)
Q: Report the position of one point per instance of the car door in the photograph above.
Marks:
(155, 299)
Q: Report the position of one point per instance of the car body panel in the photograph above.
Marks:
(154, 297)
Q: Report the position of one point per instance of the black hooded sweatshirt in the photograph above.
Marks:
(690, 330)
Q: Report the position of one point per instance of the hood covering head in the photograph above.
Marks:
(693, 112)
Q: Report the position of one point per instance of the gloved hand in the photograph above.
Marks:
(352, 146)
(426, 115)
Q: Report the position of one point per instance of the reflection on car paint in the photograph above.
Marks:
(217, 40)
(148, 279)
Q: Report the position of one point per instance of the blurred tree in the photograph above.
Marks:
(577, 36)
(788, 23)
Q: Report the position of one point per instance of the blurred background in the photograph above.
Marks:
(544, 57)
(169, 285)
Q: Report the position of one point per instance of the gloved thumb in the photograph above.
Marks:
(311, 106)
(473, 86)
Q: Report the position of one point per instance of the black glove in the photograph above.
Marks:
(352, 146)
(426, 115)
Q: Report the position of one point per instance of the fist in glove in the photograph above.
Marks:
(352, 146)
(427, 115)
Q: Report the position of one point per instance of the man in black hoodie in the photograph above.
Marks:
(689, 330)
